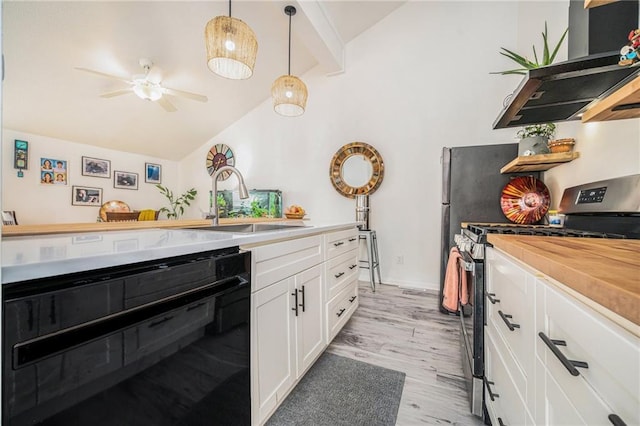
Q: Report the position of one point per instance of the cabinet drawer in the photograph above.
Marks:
(510, 307)
(500, 390)
(275, 262)
(341, 270)
(340, 309)
(337, 243)
(572, 403)
(612, 354)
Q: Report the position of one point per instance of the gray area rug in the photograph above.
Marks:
(342, 391)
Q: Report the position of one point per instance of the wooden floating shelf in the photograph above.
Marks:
(538, 163)
(588, 4)
(621, 104)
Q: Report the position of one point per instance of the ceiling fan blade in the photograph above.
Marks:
(189, 95)
(101, 74)
(116, 93)
(166, 105)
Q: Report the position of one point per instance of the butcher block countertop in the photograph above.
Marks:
(63, 228)
(606, 271)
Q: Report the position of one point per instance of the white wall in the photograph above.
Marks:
(36, 204)
(417, 81)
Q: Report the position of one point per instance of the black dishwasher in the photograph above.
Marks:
(164, 342)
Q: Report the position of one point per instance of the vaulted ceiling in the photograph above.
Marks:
(43, 43)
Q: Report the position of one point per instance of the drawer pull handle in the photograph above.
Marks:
(492, 299)
(302, 305)
(352, 299)
(196, 306)
(338, 275)
(163, 320)
(568, 364)
(352, 239)
(341, 312)
(500, 422)
(488, 384)
(616, 420)
(353, 266)
(338, 244)
(510, 325)
(295, 302)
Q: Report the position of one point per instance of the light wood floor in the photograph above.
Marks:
(403, 330)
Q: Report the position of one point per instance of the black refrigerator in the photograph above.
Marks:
(471, 190)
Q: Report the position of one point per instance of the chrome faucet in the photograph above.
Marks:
(241, 188)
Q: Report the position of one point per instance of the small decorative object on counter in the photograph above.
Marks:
(561, 145)
(630, 52)
(556, 219)
(295, 212)
(534, 139)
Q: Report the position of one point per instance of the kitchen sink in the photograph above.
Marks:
(248, 228)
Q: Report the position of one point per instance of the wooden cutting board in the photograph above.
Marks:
(606, 271)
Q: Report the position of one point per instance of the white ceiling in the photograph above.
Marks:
(43, 42)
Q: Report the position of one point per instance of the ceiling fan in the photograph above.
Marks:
(147, 86)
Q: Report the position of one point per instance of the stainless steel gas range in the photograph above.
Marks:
(603, 209)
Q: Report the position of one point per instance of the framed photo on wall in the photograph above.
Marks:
(96, 167)
(125, 180)
(21, 155)
(53, 172)
(152, 173)
(86, 196)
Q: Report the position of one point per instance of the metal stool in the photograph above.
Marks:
(372, 263)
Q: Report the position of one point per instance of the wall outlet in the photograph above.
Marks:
(399, 260)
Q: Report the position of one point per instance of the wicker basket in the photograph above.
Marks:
(561, 145)
(294, 215)
(122, 216)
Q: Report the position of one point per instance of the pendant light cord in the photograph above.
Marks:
(289, 69)
(229, 8)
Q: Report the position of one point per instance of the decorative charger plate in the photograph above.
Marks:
(113, 206)
(525, 200)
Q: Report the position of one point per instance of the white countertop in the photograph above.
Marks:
(32, 257)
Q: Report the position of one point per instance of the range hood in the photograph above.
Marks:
(564, 91)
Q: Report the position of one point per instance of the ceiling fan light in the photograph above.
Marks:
(147, 91)
(289, 95)
(231, 47)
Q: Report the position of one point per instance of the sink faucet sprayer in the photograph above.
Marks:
(241, 188)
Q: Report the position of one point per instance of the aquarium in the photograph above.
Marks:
(261, 203)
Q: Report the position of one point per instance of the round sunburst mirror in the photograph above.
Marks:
(356, 169)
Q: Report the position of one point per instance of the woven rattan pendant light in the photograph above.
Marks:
(289, 93)
(231, 47)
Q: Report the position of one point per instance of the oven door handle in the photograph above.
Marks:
(467, 263)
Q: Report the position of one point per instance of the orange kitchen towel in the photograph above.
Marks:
(451, 291)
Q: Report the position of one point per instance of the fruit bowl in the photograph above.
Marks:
(294, 215)
(561, 145)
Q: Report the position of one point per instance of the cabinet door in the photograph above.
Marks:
(272, 329)
(309, 324)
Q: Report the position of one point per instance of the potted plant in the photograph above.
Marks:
(176, 205)
(526, 64)
(534, 138)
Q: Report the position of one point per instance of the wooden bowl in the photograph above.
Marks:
(294, 215)
(561, 145)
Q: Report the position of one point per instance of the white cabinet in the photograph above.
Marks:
(341, 249)
(273, 349)
(563, 363)
(592, 360)
(509, 342)
(289, 310)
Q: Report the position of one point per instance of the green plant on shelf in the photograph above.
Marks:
(176, 204)
(546, 130)
(526, 64)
